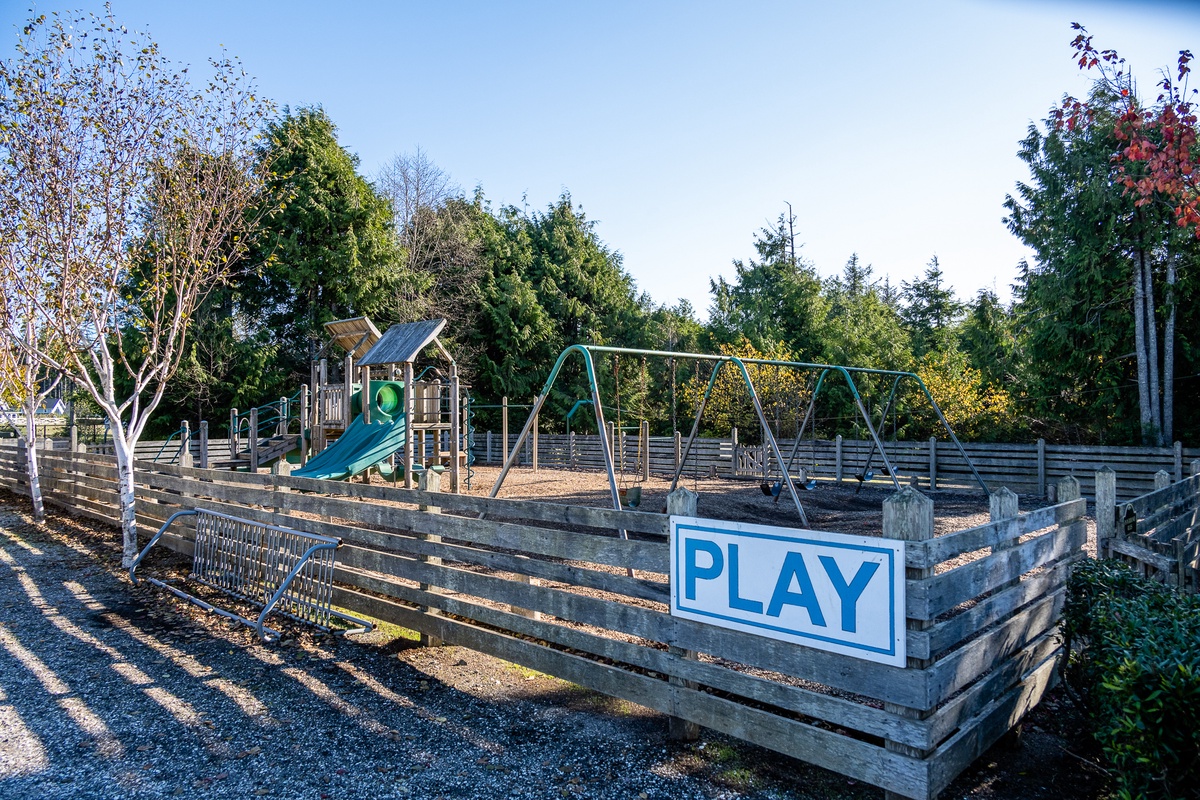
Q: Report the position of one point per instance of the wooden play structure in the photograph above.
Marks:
(433, 402)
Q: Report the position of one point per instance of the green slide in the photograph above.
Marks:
(364, 444)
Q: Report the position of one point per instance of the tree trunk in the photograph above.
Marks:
(1139, 345)
(31, 462)
(1168, 389)
(125, 497)
(1151, 321)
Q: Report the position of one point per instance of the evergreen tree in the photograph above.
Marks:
(930, 310)
(328, 250)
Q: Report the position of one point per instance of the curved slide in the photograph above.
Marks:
(360, 447)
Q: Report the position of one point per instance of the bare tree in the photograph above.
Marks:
(134, 191)
(440, 274)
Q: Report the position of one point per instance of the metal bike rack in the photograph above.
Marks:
(280, 569)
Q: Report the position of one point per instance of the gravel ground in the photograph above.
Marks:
(111, 691)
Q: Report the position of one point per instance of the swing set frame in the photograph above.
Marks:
(587, 352)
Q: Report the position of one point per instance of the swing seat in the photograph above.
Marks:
(810, 484)
(771, 489)
(863, 477)
(630, 497)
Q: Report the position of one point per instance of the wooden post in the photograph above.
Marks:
(1041, 466)
(185, 444)
(203, 444)
(234, 449)
(1003, 506)
(932, 463)
(908, 515)
(1178, 462)
(837, 457)
(253, 440)
(305, 430)
(348, 381)
(1067, 488)
(1162, 479)
(645, 448)
(533, 443)
(410, 423)
(489, 447)
(1106, 510)
(1196, 467)
(733, 437)
(364, 380)
(430, 481)
(455, 430)
(682, 503)
(73, 432)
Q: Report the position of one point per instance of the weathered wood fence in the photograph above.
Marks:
(546, 586)
(1026, 468)
(1157, 533)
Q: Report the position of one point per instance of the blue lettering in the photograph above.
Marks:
(793, 568)
(693, 571)
(849, 594)
(740, 603)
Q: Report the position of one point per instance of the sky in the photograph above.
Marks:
(682, 128)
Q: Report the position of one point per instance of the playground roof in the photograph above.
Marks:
(403, 343)
(356, 335)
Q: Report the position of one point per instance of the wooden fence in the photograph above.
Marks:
(1026, 468)
(546, 586)
(1158, 533)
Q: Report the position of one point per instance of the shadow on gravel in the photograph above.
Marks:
(107, 690)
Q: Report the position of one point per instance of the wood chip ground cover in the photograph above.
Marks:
(107, 690)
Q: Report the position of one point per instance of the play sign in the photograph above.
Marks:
(829, 591)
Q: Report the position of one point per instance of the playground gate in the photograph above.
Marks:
(545, 586)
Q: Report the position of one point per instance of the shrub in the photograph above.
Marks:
(1134, 649)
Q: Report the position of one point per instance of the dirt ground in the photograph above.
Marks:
(110, 690)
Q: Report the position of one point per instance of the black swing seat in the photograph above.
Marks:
(277, 569)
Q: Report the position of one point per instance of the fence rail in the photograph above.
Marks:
(553, 587)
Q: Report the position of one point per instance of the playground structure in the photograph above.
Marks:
(339, 431)
(786, 478)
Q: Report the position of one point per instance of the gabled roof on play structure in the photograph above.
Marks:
(356, 335)
(403, 342)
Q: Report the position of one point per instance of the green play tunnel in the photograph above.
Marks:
(386, 402)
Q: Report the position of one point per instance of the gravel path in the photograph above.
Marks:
(111, 691)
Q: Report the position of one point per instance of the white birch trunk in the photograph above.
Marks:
(31, 462)
(1151, 322)
(125, 496)
(1139, 345)
(1168, 388)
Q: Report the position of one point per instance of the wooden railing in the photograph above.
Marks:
(554, 588)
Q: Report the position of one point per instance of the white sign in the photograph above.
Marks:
(830, 591)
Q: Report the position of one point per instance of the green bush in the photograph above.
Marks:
(1134, 649)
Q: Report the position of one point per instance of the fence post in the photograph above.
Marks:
(489, 447)
(253, 440)
(74, 434)
(908, 515)
(533, 445)
(682, 503)
(504, 428)
(733, 437)
(1003, 505)
(1068, 489)
(645, 448)
(185, 444)
(1106, 510)
(932, 463)
(203, 444)
(1041, 466)
(430, 481)
(234, 449)
(837, 457)
(1178, 462)
(1162, 479)
(1196, 467)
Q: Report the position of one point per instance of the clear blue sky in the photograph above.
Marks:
(683, 127)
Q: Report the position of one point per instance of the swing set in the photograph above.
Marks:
(589, 352)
